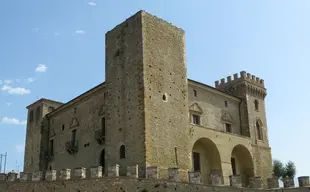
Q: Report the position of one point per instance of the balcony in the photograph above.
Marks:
(100, 137)
(72, 147)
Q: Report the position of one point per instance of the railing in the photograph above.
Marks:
(72, 147)
(100, 137)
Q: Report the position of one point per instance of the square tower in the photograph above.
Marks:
(147, 103)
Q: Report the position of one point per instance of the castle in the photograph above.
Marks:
(147, 113)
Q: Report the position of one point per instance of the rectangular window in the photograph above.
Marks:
(196, 119)
(51, 147)
(228, 127)
(74, 138)
(233, 165)
(196, 161)
(226, 104)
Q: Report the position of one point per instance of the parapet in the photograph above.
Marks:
(152, 173)
(244, 76)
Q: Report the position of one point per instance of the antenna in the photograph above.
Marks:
(1, 156)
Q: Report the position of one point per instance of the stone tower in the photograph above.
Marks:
(34, 150)
(147, 99)
(252, 91)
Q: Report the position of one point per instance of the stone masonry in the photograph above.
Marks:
(148, 114)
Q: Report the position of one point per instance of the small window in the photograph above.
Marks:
(74, 138)
(195, 93)
(164, 97)
(74, 110)
(63, 127)
(196, 119)
(31, 116)
(228, 127)
(226, 104)
(122, 152)
(256, 103)
(259, 131)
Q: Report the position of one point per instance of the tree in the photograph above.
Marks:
(278, 169)
(290, 169)
(281, 172)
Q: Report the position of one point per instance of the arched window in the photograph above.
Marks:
(256, 103)
(259, 131)
(122, 152)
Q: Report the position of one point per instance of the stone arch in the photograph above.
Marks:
(242, 163)
(206, 160)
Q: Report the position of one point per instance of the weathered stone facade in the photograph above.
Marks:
(147, 113)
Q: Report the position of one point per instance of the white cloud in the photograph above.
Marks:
(0, 81)
(92, 4)
(9, 104)
(30, 80)
(17, 80)
(7, 81)
(15, 90)
(56, 34)
(12, 121)
(20, 148)
(35, 29)
(41, 68)
(80, 31)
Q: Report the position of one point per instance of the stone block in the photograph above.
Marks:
(216, 178)
(11, 177)
(24, 176)
(113, 170)
(288, 182)
(37, 176)
(255, 182)
(133, 171)
(50, 175)
(273, 183)
(80, 173)
(194, 177)
(174, 174)
(65, 174)
(235, 181)
(96, 172)
(303, 181)
(152, 172)
(3, 177)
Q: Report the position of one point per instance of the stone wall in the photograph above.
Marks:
(77, 180)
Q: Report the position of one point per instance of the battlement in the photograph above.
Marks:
(244, 76)
(80, 175)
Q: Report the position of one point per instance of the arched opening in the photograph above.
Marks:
(122, 152)
(206, 160)
(242, 164)
(102, 159)
(258, 131)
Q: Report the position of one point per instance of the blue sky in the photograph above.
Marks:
(56, 49)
